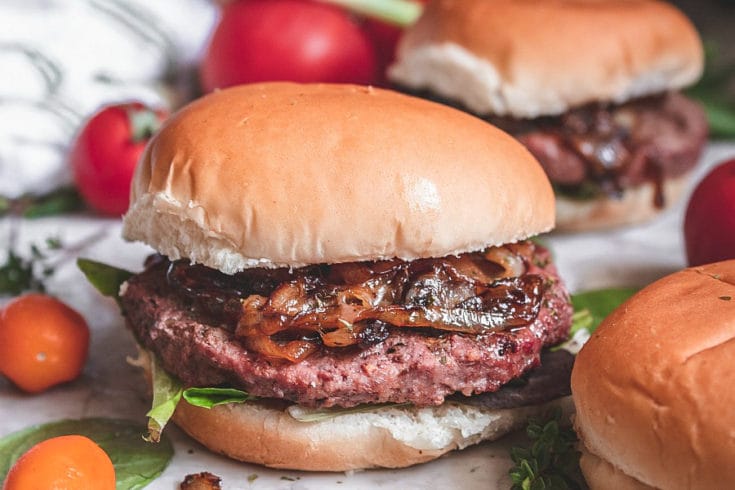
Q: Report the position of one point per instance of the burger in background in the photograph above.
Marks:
(332, 256)
(590, 88)
(653, 390)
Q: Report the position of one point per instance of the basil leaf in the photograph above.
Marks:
(106, 278)
(303, 414)
(136, 462)
(211, 397)
(167, 393)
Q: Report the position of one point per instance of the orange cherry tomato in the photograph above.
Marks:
(62, 463)
(43, 342)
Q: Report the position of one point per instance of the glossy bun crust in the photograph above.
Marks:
(281, 174)
(541, 57)
(653, 387)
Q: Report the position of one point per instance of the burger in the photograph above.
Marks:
(653, 387)
(347, 255)
(589, 87)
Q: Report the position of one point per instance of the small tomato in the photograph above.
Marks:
(65, 462)
(105, 152)
(291, 40)
(709, 225)
(43, 342)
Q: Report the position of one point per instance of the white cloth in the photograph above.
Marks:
(60, 60)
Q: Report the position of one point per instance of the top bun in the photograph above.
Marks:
(281, 174)
(543, 57)
(653, 387)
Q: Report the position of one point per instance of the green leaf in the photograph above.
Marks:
(136, 462)
(590, 308)
(594, 306)
(167, 392)
(211, 397)
(398, 12)
(551, 462)
(106, 278)
(61, 201)
(721, 118)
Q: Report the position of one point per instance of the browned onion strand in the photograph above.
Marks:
(281, 313)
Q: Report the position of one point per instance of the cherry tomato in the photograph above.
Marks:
(62, 463)
(709, 225)
(105, 152)
(293, 40)
(43, 342)
(385, 38)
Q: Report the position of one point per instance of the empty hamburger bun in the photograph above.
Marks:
(653, 387)
(543, 57)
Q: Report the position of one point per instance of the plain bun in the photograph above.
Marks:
(385, 438)
(653, 386)
(543, 57)
(636, 205)
(281, 174)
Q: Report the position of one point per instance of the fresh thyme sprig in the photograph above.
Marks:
(19, 274)
(551, 462)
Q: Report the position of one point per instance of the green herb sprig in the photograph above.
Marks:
(551, 462)
(19, 274)
(60, 201)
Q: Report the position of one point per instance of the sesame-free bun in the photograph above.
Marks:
(383, 438)
(542, 57)
(653, 387)
(636, 205)
(281, 174)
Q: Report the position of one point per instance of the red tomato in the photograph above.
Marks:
(295, 40)
(385, 37)
(709, 225)
(105, 152)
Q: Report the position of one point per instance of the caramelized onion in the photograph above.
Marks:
(282, 313)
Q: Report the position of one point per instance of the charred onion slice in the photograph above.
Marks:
(279, 313)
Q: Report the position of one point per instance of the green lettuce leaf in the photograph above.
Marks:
(106, 278)
(590, 308)
(167, 393)
(136, 462)
(211, 397)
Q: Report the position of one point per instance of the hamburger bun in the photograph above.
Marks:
(280, 174)
(543, 57)
(653, 387)
(383, 438)
(602, 212)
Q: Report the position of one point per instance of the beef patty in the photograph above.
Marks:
(602, 149)
(201, 345)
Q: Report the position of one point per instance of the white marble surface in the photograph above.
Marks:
(111, 388)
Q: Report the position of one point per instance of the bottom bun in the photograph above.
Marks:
(636, 206)
(388, 437)
(601, 475)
